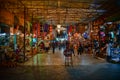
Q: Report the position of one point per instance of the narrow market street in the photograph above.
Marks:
(46, 59)
(59, 39)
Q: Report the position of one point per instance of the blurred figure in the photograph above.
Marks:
(53, 47)
(96, 49)
(108, 46)
(68, 56)
(72, 49)
(41, 45)
(75, 49)
(80, 49)
(47, 45)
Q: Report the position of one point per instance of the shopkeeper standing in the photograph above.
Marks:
(108, 46)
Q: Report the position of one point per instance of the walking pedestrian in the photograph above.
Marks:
(47, 45)
(72, 49)
(79, 49)
(53, 47)
(68, 56)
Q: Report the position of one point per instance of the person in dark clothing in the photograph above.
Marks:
(53, 47)
(72, 49)
(68, 56)
(80, 49)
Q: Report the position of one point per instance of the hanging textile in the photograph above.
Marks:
(38, 29)
(46, 27)
(50, 28)
(70, 28)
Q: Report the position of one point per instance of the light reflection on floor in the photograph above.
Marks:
(58, 59)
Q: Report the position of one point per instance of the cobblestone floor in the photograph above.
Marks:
(103, 71)
(58, 59)
(50, 66)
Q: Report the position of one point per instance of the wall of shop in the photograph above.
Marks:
(82, 28)
(6, 17)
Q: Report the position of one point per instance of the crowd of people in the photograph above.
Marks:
(74, 49)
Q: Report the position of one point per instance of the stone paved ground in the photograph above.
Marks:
(50, 66)
(101, 71)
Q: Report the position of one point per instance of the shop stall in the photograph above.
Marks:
(4, 34)
(115, 54)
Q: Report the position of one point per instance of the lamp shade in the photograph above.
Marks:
(58, 26)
